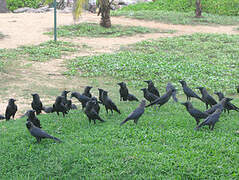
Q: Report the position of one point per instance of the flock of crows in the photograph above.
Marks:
(91, 106)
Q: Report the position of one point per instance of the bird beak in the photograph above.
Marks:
(147, 81)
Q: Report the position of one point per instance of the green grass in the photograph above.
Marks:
(178, 17)
(221, 7)
(95, 30)
(42, 52)
(162, 145)
(200, 59)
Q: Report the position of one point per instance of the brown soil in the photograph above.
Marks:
(46, 78)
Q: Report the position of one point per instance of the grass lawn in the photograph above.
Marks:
(42, 52)
(162, 145)
(200, 59)
(95, 30)
(172, 17)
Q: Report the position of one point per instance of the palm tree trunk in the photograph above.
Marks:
(104, 10)
(105, 19)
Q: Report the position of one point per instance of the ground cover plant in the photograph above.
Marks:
(174, 17)
(222, 7)
(200, 59)
(163, 145)
(95, 30)
(42, 52)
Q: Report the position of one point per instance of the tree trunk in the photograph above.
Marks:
(3, 6)
(105, 19)
(104, 10)
(198, 9)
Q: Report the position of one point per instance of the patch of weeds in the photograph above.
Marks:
(200, 59)
(47, 50)
(178, 17)
(95, 30)
(42, 52)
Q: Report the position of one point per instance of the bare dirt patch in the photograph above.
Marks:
(47, 78)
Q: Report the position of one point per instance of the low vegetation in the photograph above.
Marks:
(42, 52)
(95, 30)
(174, 17)
(14, 4)
(222, 7)
(200, 59)
(162, 145)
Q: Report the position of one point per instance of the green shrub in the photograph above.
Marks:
(221, 7)
(14, 4)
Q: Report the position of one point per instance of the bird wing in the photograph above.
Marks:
(37, 132)
(211, 100)
(198, 113)
(136, 113)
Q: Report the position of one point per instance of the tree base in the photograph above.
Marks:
(105, 23)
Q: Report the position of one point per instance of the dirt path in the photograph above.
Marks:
(46, 78)
(27, 29)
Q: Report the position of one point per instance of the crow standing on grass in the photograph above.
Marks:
(109, 104)
(101, 95)
(59, 106)
(152, 89)
(36, 103)
(87, 91)
(228, 106)
(131, 97)
(91, 113)
(33, 118)
(189, 92)
(195, 113)
(11, 109)
(210, 120)
(48, 109)
(207, 99)
(136, 114)
(64, 95)
(148, 95)
(163, 99)
(220, 105)
(70, 106)
(124, 92)
(170, 86)
(39, 133)
(82, 98)
(96, 105)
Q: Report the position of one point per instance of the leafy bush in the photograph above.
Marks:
(14, 4)
(221, 7)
